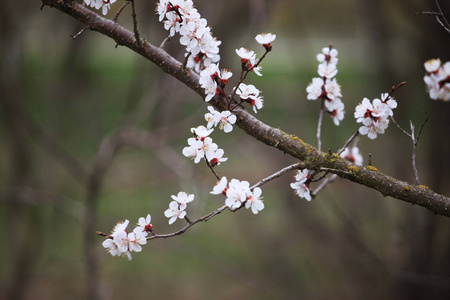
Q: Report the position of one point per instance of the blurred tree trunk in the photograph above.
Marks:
(22, 220)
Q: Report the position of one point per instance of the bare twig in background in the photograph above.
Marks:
(440, 17)
(414, 140)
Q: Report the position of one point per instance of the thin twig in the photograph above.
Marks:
(319, 126)
(414, 141)
(323, 184)
(185, 59)
(440, 17)
(80, 32)
(135, 27)
(413, 156)
(211, 168)
(120, 10)
(354, 135)
(163, 44)
(277, 174)
(185, 228)
(444, 19)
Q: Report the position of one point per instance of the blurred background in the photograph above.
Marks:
(92, 134)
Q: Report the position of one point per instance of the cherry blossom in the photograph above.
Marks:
(105, 5)
(215, 157)
(122, 242)
(201, 132)
(301, 190)
(136, 239)
(437, 79)
(327, 70)
(247, 91)
(266, 39)
(121, 226)
(175, 210)
(432, 65)
(245, 54)
(111, 247)
(183, 198)
(326, 87)
(315, 89)
(336, 111)
(301, 184)
(251, 66)
(224, 76)
(254, 201)
(328, 55)
(145, 223)
(198, 149)
(237, 193)
(180, 16)
(374, 115)
(220, 187)
(194, 150)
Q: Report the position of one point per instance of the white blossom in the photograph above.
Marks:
(220, 187)
(301, 184)
(265, 38)
(254, 201)
(328, 55)
(437, 79)
(180, 16)
(183, 198)
(215, 157)
(237, 193)
(136, 239)
(374, 115)
(201, 132)
(315, 89)
(327, 70)
(105, 5)
(175, 210)
(245, 54)
(145, 223)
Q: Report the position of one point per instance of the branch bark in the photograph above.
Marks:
(287, 143)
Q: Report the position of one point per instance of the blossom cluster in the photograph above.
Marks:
(437, 79)
(180, 16)
(224, 119)
(248, 60)
(325, 86)
(177, 208)
(202, 146)
(374, 115)
(239, 193)
(105, 5)
(301, 184)
(122, 242)
(249, 93)
(213, 80)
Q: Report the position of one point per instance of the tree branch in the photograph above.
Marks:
(290, 144)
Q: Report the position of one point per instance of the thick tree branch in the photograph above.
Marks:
(290, 144)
